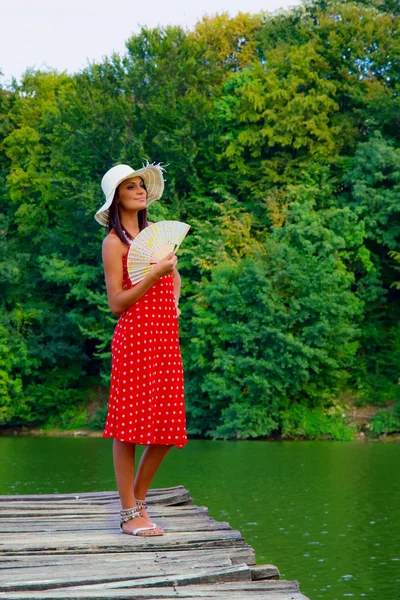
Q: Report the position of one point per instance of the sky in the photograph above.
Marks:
(69, 34)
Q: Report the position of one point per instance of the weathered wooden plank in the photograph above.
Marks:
(240, 555)
(152, 495)
(164, 490)
(259, 572)
(44, 577)
(91, 516)
(63, 542)
(240, 576)
(232, 591)
(21, 508)
(146, 579)
(114, 536)
(82, 524)
(169, 527)
(94, 511)
(183, 593)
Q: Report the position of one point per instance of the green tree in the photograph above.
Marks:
(273, 329)
(373, 188)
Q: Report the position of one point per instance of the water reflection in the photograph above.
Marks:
(326, 513)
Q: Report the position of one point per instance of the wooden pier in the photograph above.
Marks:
(69, 546)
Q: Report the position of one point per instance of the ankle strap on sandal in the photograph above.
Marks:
(141, 504)
(128, 514)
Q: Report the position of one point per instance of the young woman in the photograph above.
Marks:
(146, 402)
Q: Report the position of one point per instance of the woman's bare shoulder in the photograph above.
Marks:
(112, 244)
(112, 239)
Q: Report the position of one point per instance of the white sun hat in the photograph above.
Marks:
(151, 175)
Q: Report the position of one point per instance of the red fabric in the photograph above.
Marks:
(146, 402)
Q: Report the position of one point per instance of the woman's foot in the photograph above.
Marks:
(133, 523)
(142, 506)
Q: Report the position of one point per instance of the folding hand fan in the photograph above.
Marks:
(152, 245)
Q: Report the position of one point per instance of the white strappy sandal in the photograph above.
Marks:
(131, 513)
(142, 504)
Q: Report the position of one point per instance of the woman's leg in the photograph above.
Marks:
(124, 464)
(149, 464)
(150, 461)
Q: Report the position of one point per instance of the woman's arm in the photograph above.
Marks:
(177, 289)
(177, 285)
(118, 299)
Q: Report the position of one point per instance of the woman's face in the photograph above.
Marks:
(132, 194)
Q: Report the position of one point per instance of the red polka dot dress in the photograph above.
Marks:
(146, 402)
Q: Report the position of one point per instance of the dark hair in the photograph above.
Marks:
(114, 221)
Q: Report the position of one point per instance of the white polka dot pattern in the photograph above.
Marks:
(146, 403)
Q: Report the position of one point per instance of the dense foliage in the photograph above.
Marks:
(281, 135)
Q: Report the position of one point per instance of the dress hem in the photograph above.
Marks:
(133, 441)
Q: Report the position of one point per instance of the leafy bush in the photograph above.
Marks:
(301, 421)
(241, 421)
(98, 421)
(75, 417)
(386, 421)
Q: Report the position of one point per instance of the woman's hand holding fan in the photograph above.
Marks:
(155, 244)
(166, 265)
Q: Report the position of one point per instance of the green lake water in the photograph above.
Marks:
(326, 513)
